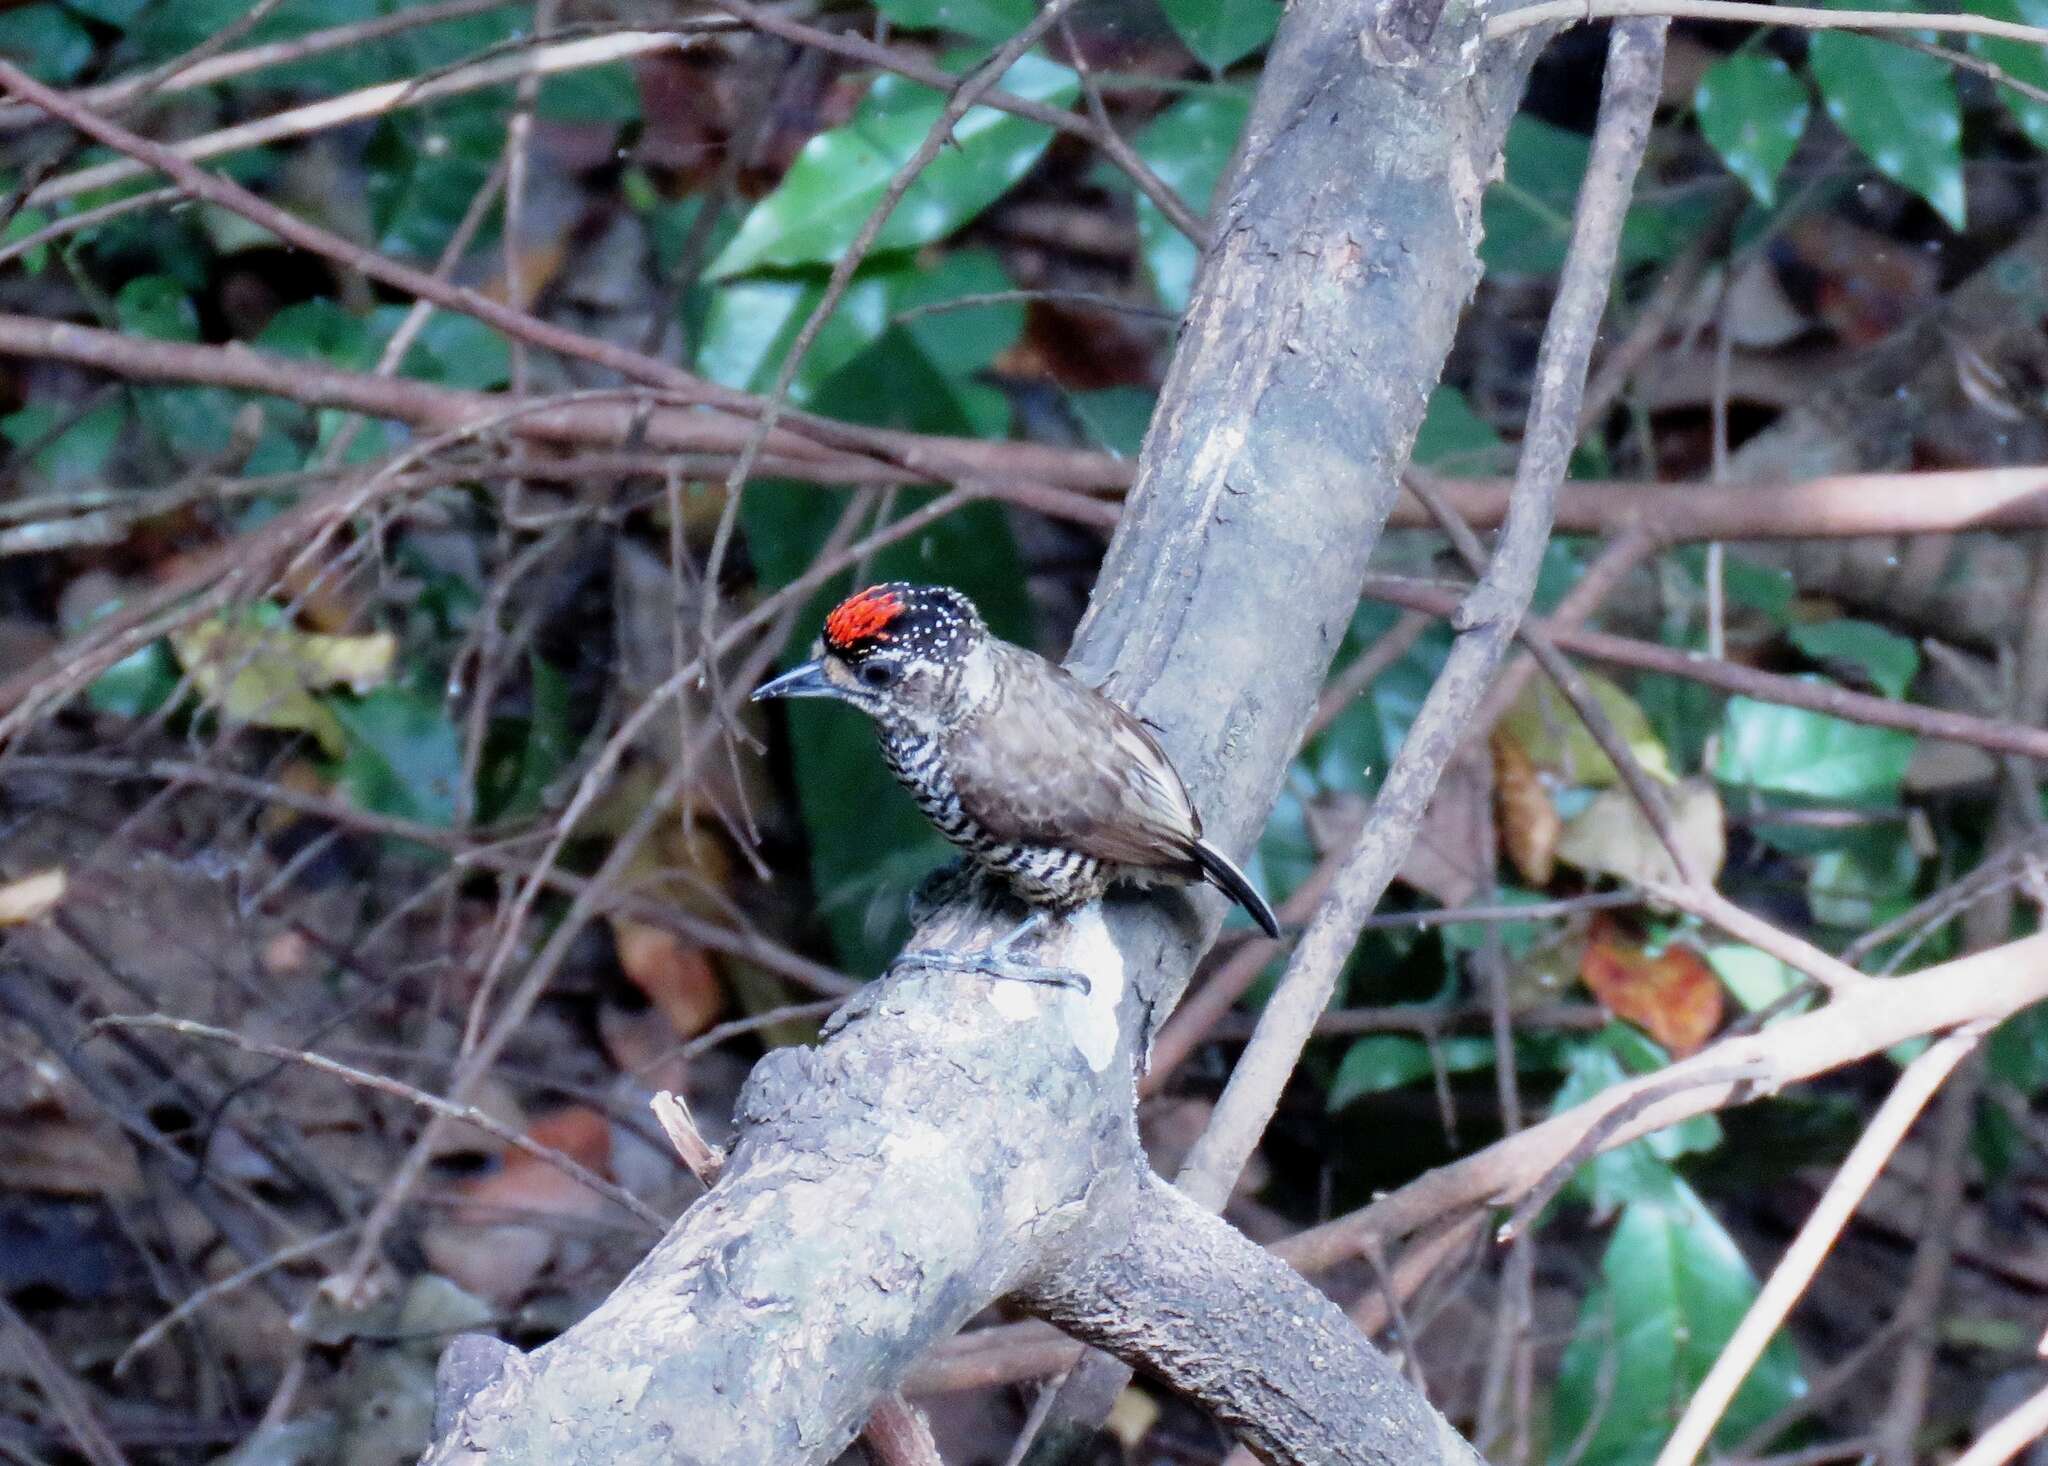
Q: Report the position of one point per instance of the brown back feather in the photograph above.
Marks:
(1053, 762)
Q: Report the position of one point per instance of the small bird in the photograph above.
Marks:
(1044, 782)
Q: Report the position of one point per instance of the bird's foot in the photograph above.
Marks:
(1000, 967)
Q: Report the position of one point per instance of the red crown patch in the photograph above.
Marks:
(863, 615)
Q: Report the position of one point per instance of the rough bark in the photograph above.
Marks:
(952, 1140)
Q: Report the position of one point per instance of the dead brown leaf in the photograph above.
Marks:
(1674, 996)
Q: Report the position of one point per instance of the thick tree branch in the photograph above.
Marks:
(898, 1178)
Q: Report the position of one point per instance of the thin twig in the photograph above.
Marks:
(1487, 620)
(399, 1089)
(1795, 1269)
(1840, 702)
(1545, 12)
(368, 102)
(885, 58)
(111, 95)
(2026, 1423)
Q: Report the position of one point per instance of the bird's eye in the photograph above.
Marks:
(877, 674)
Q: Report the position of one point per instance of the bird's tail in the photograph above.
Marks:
(1231, 881)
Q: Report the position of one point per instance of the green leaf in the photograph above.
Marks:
(46, 42)
(1783, 750)
(158, 307)
(841, 175)
(985, 20)
(2019, 60)
(80, 451)
(1673, 1288)
(1641, 1169)
(320, 330)
(403, 756)
(137, 685)
(1188, 146)
(454, 350)
(1351, 755)
(752, 324)
(1752, 112)
(1388, 1061)
(1452, 431)
(1528, 214)
(1755, 977)
(1116, 417)
(2018, 1050)
(1864, 881)
(1887, 659)
(963, 341)
(1898, 106)
(523, 757)
(24, 223)
(597, 96)
(1220, 32)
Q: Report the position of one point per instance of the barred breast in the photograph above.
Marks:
(1039, 875)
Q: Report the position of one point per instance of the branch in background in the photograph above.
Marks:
(1550, 12)
(1840, 702)
(1799, 1262)
(1487, 622)
(376, 101)
(111, 96)
(1865, 1020)
(872, 53)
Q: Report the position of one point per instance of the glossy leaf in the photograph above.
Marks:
(1887, 659)
(1453, 435)
(1528, 213)
(1116, 417)
(841, 175)
(1387, 1061)
(1866, 880)
(1752, 112)
(1783, 750)
(1639, 1170)
(158, 307)
(1188, 146)
(1756, 978)
(67, 449)
(2019, 60)
(46, 42)
(962, 340)
(1898, 106)
(402, 755)
(1673, 1288)
(752, 324)
(1220, 32)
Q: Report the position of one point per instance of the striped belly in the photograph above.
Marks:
(1039, 875)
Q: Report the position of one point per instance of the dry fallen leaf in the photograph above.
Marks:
(500, 1234)
(31, 896)
(267, 675)
(1452, 856)
(1612, 836)
(1529, 821)
(1674, 996)
(1557, 742)
(677, 976)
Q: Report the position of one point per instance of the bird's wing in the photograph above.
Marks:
(1056, 763)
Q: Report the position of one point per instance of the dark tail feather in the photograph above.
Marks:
(1231, 881)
